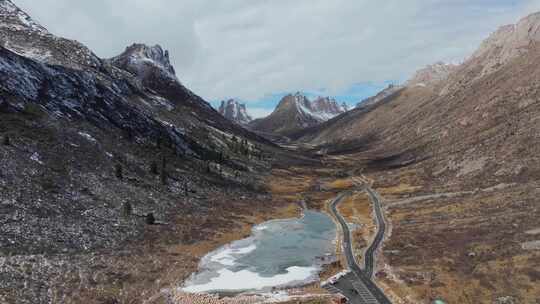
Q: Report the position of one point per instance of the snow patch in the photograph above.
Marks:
(229, 280)
(88, 136)
(227, 255)
(37, 158)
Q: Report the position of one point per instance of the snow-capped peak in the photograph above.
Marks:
(137, 58)
(235, 111)
(321, 109)
(325, 108)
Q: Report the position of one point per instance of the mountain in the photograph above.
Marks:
(387, 92)
(96, 151)
(428, 76)
(455, 154)
(116, 179)
(295, 112)
(235, 111)
(23, 36)
(140, 59)
(431, 74)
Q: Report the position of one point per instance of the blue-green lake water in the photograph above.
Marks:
(279, 253)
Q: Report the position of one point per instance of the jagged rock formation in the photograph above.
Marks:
(235, 112)
(326, 108)
(139, 59)
(295, 112)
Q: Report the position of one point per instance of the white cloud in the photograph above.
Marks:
(251, 48)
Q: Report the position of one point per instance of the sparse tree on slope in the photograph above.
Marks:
(118, 171)
(163, 175)
(6, 140)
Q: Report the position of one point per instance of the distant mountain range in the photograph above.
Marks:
(295, 112)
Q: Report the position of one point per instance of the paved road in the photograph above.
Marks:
(357, 286)
(369, 261)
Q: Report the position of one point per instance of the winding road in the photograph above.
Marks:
(369, 260)
(357, 286)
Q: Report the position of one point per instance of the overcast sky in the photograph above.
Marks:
(259, 49)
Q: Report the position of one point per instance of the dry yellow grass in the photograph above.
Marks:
(402, 188)
(340, 184)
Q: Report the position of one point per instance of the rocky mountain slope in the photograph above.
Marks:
(235, 112)
(427, 76)
(473, 134)
(431, 74)
(296, 112)
(388, 91)
(104, 156)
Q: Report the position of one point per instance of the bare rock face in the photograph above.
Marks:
(140, 58)
(508, 42)
(431, 74)
(328, 107)
(235, 112)
(505, 300)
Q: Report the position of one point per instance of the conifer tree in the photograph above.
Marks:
(118, 171)
(163, 175)
(6, 140)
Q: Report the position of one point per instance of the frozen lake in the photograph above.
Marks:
(278, 253)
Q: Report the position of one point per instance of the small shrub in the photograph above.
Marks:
(118, 171)
(534, 275)
(150, 219)
(127, 209)
(33, 109)
(154, 168)
(163, 176)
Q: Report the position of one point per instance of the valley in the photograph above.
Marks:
(119, 184)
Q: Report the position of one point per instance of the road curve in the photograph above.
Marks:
(369, 260)
(366, 290)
